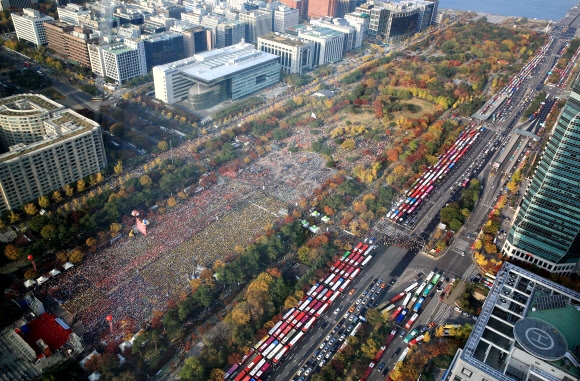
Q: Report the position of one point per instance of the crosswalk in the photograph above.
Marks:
(408, 277)
(460, 245)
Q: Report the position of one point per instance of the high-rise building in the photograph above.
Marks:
(72, 13)
(121, 59)
(395, 21)
(195, 39)
(29, 26)
(163, 48)
(527, 330)
(211, 77)
(285, 17)
(360, 21)
(301, 5)
(546, 229)
(322, 8)
(229, 33)
(16, 4)
(296, 56)
(69, 148)
(344, 7)
(69, 42)
(258, 23)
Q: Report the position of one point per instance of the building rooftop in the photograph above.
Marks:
(27, 104)
(316, 31)
(65, 124)
(525, 312)
(283, 39)
(217, 64)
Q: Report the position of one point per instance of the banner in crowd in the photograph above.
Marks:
(141, 227)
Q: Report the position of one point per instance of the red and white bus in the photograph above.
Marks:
(355, 273)
(295, 339)
(411, 321)
(396, 313)
(344, 285)
(395, 298)
(280, 355)
(321, 310)
(309, 324)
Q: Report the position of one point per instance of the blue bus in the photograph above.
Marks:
(417, 305)
(401, 316)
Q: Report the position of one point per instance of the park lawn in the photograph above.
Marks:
(427, 107)
(365, 118)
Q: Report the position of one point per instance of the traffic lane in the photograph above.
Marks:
(377, 268)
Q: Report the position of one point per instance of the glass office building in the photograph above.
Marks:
(546, 230)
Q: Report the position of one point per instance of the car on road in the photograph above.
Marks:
(385, 371)
(336, 311)
(403, 333)
(381, 366)
(352, 291)
(324, 325)
(398, 349)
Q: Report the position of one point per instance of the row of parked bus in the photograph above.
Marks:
(424, 185)
(273, 348)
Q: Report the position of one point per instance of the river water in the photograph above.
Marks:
(539, 9)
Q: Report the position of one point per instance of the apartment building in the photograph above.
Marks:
(29, 26)
(70, 149)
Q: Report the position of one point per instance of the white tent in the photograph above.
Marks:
(94, 376)
(54, 272)
(29, 283)
(42, 279)
(68, 265)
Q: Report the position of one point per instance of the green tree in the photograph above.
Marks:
(48, 232)
(192, 370)
(146, 181)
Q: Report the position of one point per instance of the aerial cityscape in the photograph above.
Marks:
(292, 190)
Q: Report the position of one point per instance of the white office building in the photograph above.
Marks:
(259, 24)
(351, 39)
(72, 14)
(120, 60)
(211, 77)
(29, 26)
(296, 56)
(527, 330)
(71, 148)
(285, 17)
(328, 43)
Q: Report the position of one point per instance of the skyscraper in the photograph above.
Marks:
(322, 8)
(546, 229)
